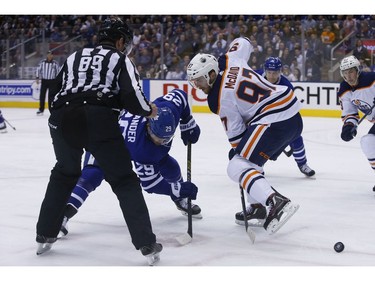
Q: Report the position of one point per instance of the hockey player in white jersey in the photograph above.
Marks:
(272, 72)
(357, 93)
(259, 118)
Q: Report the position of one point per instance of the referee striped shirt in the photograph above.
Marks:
(103, 70)
(47, 70)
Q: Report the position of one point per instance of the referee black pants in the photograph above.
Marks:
(95, 128)
(45, 85)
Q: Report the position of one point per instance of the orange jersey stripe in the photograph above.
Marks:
(281, 102)
(247, 179)
(254, 138)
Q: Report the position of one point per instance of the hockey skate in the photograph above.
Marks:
(281, 210)
(3, 127)
(70, 211)
(152, 253)
(182, 205)
(306, 170)
(39, 113)
(44, 244)
(64, 228)
(256, 215)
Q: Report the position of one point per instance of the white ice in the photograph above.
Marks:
(337, 205)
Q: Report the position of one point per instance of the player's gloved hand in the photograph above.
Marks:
(349, 131)
(190, 130)
(183, 190)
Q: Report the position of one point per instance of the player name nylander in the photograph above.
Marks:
(132, 131)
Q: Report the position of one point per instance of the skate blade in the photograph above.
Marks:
(251, 223)
(153, 259)
(197, 216)
(43, 247)
(289, 210)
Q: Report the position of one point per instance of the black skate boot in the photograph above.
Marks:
(44, 244)
(256, 215)
(3, 128)
(281, 210)
(70, 211)
(306, 170)
(152, 252)
(64, 228)
(182, 205)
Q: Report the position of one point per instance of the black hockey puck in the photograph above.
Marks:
(339, 247)
(373, 189)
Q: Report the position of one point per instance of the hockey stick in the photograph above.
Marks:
(6, 121)
(249, 232)
(190, 213)
(367, 113)
(187, 237)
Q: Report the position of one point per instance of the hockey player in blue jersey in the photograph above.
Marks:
(272, 72)
(3, 126)
(357, 93)
(149, 142)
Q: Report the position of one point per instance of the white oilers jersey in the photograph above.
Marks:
(241, 97)
(360, 98)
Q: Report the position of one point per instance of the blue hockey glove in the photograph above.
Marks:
(183, 190)
(349, 131)
(190, 130)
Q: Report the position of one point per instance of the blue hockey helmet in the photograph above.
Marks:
(163, 125)
(273, 64)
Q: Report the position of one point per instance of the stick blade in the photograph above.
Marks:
(184, 239)
(251, 235)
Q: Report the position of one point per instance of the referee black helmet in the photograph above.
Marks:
(113, 29)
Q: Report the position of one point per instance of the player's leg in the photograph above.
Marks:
(63, 178)
(368, 147)
(260, 143)
(109, 150)
(3, 126)
(92, 176)
(299, 154)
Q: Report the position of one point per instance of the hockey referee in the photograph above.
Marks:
(93, 85)
(47, 71)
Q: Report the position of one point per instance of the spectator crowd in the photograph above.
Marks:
(164, 44)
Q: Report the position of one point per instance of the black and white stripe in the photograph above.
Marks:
(47, 70)
(92, 70)
(106, 70)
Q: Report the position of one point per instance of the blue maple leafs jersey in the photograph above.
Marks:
(282, 80)
(153, 164)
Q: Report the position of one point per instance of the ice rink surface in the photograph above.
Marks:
(337, 205)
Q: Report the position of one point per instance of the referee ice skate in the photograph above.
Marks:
(93, 85)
